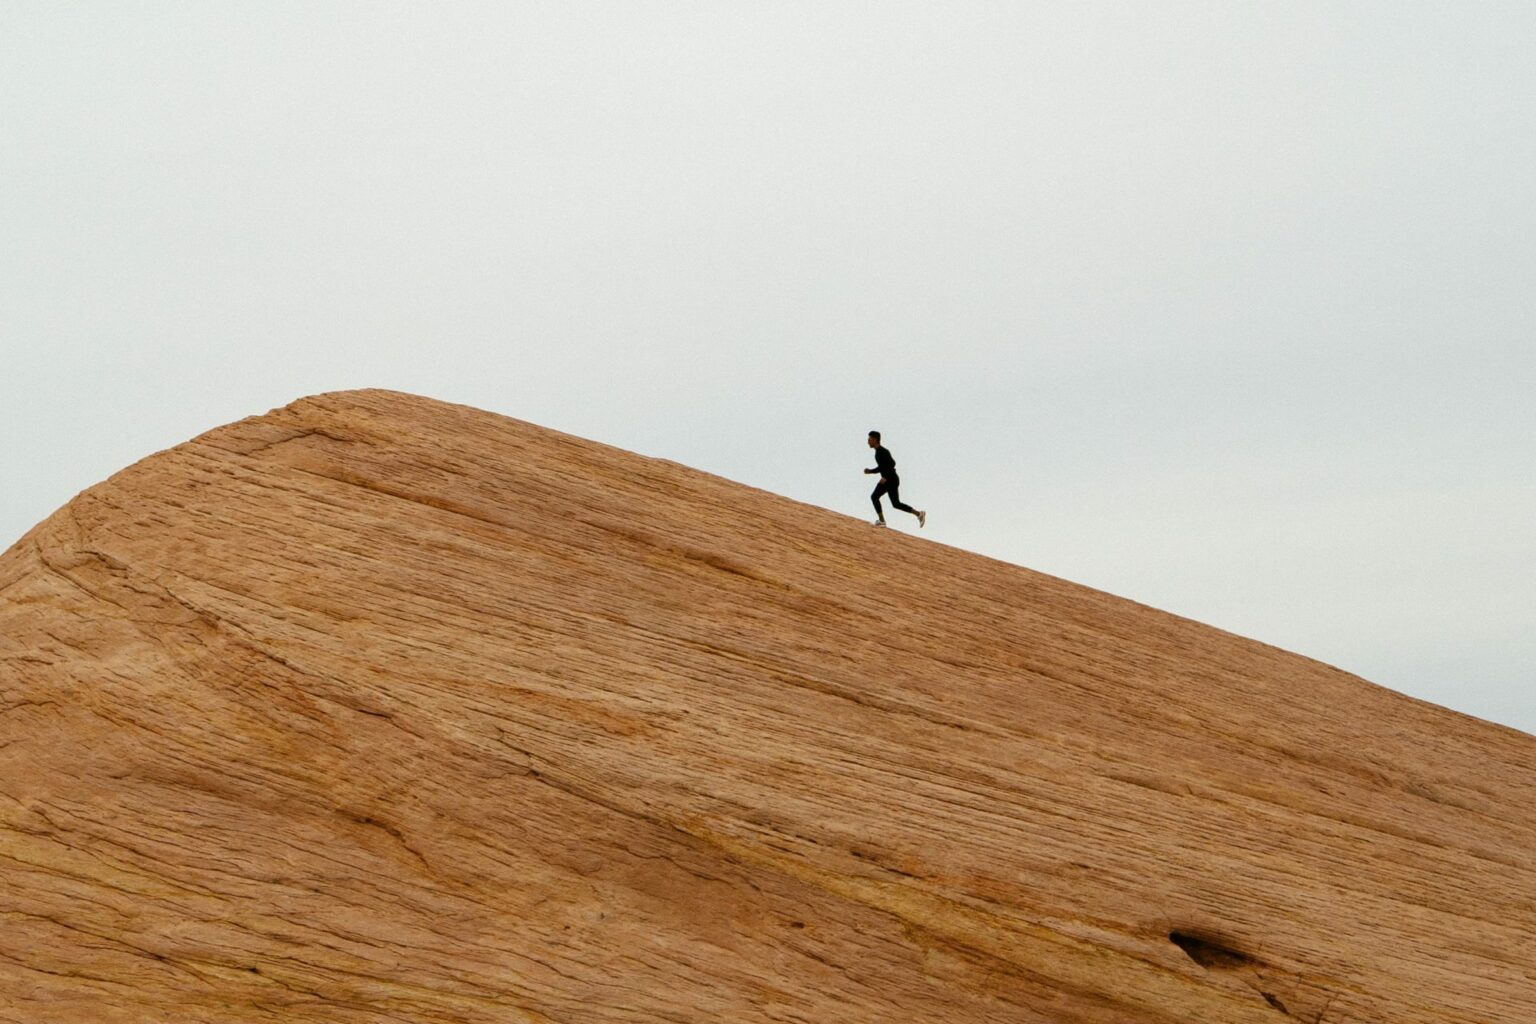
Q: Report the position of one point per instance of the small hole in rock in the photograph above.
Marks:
(1210, 953)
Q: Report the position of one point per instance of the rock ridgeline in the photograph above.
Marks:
(376, 708)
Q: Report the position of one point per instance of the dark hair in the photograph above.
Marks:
(875, 434)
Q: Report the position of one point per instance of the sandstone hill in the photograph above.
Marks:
(380, 709)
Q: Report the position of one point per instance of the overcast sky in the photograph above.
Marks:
(1229, 308)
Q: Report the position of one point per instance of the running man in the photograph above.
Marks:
(889, 482)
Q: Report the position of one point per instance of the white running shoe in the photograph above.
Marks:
(879, 522)
(922, 520)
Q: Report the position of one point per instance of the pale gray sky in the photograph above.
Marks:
(1226, 307)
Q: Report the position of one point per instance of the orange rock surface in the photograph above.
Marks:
(380, 709)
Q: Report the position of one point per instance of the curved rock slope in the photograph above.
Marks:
(380, 709)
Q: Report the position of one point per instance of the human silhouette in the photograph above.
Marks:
(885, 465)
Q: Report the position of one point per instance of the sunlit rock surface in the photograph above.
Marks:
(380, 709)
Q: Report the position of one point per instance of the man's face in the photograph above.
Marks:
(874, 443)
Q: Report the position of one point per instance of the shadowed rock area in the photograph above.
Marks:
(376, 708)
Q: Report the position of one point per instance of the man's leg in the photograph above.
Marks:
(875, 498)
(922, 517)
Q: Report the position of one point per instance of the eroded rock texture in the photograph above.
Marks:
(380, 709)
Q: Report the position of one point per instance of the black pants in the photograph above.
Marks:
(889, 485)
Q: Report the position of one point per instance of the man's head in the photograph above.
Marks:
(874, 438)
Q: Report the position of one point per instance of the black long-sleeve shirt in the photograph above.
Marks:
(884, 464)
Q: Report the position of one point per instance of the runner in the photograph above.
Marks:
(889, 482)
